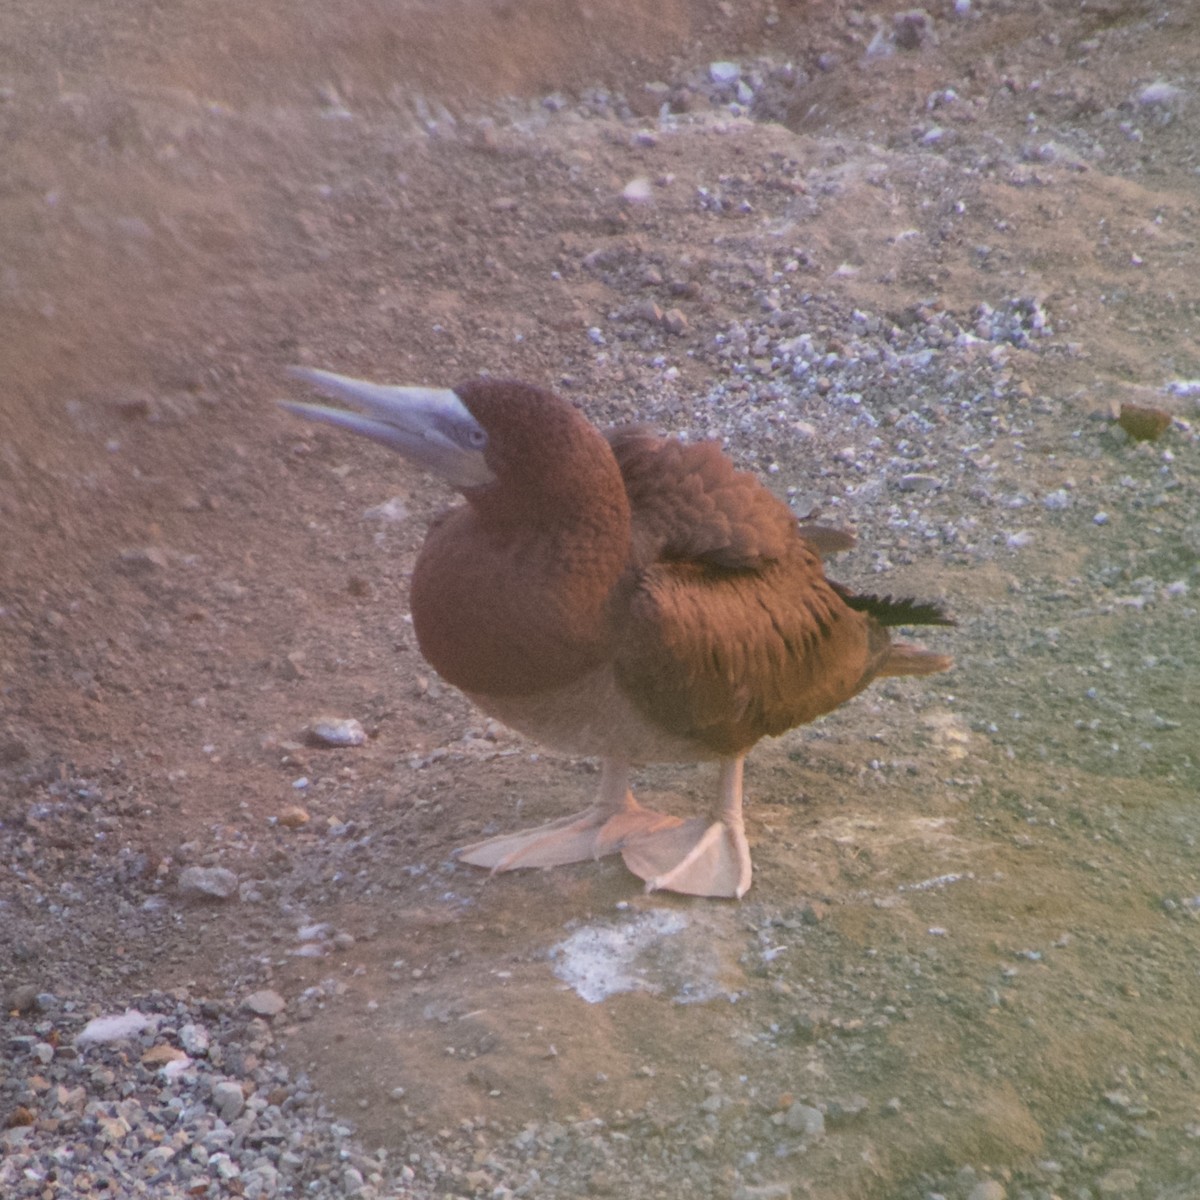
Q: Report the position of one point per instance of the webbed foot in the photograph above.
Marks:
(697, 858)
(591, 834)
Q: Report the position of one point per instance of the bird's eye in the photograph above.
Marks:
(477, 438)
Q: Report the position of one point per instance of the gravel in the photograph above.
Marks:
(176, 1097)
(918, 425)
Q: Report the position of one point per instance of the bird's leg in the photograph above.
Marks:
(698, 857)
(593, 833)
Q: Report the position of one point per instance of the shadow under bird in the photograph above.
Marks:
(624, 596)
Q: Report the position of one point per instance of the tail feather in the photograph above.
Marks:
(903, 658)
(826, 539)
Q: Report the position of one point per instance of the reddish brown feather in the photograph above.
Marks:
(511, 593)
(652, 558)
(690, 503)
(727, 658)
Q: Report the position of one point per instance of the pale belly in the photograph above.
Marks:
(591, 717)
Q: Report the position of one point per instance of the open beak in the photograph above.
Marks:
(431, 427)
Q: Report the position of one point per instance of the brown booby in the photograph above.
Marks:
(624, 596)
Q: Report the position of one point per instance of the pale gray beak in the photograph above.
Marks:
(429, 426)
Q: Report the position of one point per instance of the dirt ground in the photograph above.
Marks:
(972, 940)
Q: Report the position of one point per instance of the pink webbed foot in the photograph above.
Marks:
(698, 857)
(603, 829)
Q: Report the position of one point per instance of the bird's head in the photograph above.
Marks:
(484, 436)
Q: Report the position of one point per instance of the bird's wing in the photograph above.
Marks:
(690, 504)
(727, 627)
(729, 656)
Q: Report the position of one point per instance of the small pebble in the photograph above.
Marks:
(648, 311)
(917, 483)
(638, 191)
(337, 731)
(988, 1189)
(207, 883)
(674, 321)
(802, 1118)
(194, 1039)
(266, 1003)
(1120, 1181)
(1143, 424)
(912, 28)
(228, 1099)
(22, 999)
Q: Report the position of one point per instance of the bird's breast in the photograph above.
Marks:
(513, 617)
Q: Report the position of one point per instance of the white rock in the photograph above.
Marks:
(194, 1039)
(638, 191)
(224, 1166)
(175, 1068)
(1159, 92)
(338, 731)
(117, 1027)
(216, 883)
(724, 73)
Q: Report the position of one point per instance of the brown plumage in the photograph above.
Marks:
(630, 597)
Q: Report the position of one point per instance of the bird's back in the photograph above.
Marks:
(728, 628)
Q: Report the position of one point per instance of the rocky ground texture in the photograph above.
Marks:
(930, 272)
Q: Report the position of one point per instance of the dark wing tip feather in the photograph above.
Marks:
(887, 610)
